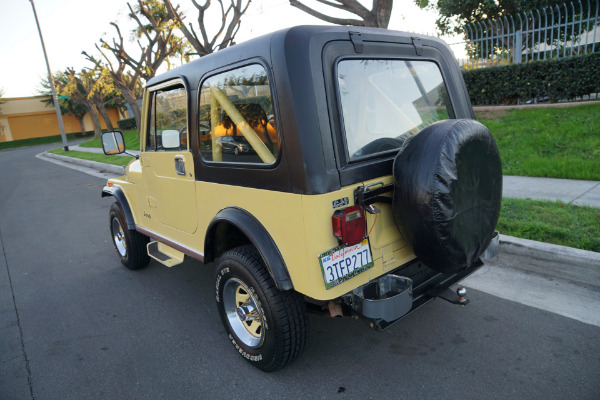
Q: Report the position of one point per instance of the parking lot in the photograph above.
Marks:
(75, 324)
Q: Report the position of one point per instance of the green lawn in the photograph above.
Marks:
(548, 142)
(132, 141)
(551, 222)
(114, 160)
(35, 141)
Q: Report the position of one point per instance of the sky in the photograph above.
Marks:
(71, 26)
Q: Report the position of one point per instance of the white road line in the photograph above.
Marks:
(556, 295)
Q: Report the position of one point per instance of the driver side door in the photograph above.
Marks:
(167, 162)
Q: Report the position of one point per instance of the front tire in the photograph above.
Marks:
(266, 326)
(130, 244)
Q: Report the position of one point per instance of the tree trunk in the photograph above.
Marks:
(83, 131)
(131, 100)
(105, 116)
(384, 12)
(96, 119)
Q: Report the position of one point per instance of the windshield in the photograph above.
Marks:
(384, 102)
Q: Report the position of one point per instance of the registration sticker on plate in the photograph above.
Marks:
(342, 263)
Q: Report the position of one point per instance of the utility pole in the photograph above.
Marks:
(51, 79)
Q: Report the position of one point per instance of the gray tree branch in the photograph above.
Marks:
(378, 16)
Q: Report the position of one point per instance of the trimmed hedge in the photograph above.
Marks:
(127, 124)
(559, 79)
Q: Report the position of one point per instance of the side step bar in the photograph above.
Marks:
(164, 254)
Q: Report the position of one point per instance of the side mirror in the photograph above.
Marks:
(170, 139)
(113, 143)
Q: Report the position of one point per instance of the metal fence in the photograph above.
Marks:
(550, 32)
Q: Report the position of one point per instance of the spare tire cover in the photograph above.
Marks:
(447, 193)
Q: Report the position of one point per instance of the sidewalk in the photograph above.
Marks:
(570, 191)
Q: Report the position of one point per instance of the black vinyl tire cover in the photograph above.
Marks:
(447, 193)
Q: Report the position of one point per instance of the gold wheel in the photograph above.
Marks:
(243, 314)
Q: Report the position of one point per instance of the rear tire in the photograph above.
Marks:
(266, 326)
(129, 243)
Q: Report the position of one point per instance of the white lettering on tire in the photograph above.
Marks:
(219, 277)
(243, 353)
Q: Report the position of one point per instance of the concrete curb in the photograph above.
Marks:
(100, 151)
(101, 167)
(550, 259)
(539, 105)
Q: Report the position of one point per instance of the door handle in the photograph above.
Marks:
(179, 165)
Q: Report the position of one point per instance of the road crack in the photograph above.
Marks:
(12, 292)
(584, 193)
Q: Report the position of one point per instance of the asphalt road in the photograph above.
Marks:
(75, 324)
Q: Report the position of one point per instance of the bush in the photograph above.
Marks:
(127, 124)
(559, 79)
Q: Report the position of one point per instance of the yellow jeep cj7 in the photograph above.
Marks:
(320, 168)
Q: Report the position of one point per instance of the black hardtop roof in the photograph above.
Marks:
(300, 61)
(261, 46)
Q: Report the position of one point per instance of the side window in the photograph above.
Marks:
(167, 129)
(236, 117)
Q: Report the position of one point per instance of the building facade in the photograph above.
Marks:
(29, 117)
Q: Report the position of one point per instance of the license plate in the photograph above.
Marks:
(342, 263)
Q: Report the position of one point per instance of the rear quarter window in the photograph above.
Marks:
(237, 119)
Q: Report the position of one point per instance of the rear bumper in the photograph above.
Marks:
(387, 298)
(392, 297)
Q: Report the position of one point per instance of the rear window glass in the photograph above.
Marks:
(384, 102)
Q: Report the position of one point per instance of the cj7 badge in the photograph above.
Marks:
(340, 202)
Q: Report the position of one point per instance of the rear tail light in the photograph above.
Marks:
(349, 225)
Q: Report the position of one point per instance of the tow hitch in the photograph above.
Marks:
(455, 297)
(442, 290)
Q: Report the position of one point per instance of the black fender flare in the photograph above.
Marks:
(118, 194)
(257, 235)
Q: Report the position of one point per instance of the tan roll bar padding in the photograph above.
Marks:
(257, 144)
(215, 119)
